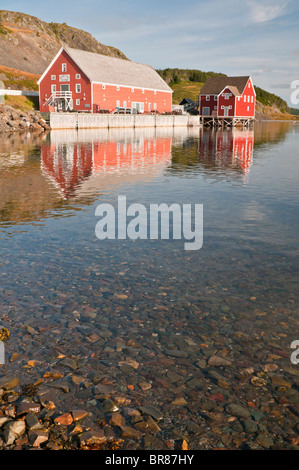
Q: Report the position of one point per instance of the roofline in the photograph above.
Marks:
(228, 86)
(49, 66)
(131, 86)
(54, 60)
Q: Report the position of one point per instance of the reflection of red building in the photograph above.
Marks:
(70, 164)
(231, 149)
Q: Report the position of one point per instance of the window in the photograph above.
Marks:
(155, 92)
(53, 89)
(104, 86)
(132, 90)
(226, 96)
(247, 108)
(155, 106)
(215, 107)
(63, 67)
(142, 90)
(125, 104)
(208, 98)
(248, 99)
(78, 88)
(215, 98)
(78, 102)
(252, 99)
(118, 104)
(78, 76)
(117, 88)
(248, 84)
(149, 106)
(244, 98)
(53, 77)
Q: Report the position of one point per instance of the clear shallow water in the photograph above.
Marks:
(104, 302)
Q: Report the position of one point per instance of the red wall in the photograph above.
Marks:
(229, 102)
(208, 103)
(72, 70)
(241, 105)
(108, 97)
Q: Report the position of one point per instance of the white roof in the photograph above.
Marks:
(111, 70)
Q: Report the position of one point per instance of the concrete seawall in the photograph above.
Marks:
(105, 121)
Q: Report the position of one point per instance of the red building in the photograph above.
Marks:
(227, 97)
(85, 81)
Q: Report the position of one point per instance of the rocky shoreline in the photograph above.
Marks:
(13, 120)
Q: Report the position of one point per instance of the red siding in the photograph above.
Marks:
(72, 70)
(245, 108)
(108, 97)
(226, 103)
(208, 101)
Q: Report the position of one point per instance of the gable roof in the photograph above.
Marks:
(111, 70)
(214, 85)
(187, 100)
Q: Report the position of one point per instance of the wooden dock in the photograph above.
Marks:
(212, 121)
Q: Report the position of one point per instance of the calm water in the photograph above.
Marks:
(103, 303)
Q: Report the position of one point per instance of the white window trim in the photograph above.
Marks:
(53, 77)
(78, 76)
(244, 98)
(63, 67)
(104, 87)
(208, 98)
(78, 102)
(53, 89)
(78, 87)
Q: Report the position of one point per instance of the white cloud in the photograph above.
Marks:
(264, 12)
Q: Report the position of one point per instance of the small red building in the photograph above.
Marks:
(227, 97)
(86, 81)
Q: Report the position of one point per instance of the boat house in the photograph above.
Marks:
(227, 101)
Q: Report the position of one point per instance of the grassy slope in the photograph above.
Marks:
(18, 79)
(22, 103)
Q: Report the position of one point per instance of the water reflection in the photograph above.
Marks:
(56, 174)
(230, 149)
(70, 160)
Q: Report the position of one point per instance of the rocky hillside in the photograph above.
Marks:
(29, 44)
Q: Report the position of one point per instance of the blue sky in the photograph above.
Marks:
(237, 37)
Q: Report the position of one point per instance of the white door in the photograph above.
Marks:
(226, 111)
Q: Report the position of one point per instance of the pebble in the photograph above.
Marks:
(151, 411)
(12, 430)
(8, 383)
(238, 410)
(219, 361)
(64, 420)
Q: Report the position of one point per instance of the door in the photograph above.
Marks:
(226, 111)
(206, 111)
(65, 101)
